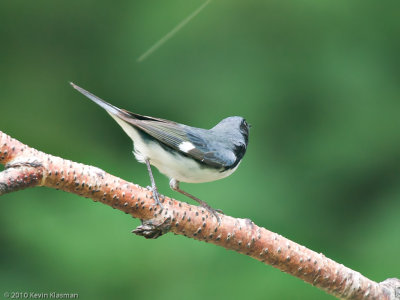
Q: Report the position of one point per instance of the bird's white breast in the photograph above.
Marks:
(182, 168)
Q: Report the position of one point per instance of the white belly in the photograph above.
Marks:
(182, 168)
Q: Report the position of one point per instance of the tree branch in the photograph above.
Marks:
(26, 167)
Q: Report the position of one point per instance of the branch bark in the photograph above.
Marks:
(26, 167)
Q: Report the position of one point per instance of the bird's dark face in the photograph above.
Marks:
(235, 131)
(234, 128)
(244, 130)
(241, 147)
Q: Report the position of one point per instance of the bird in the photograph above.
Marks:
(181, 152)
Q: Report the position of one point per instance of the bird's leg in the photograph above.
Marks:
(174, 184)
(156, 195)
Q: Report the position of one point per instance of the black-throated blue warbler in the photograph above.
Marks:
(181, 152)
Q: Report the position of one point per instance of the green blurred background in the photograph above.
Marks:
(318, 81)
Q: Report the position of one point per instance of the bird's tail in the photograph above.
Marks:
(111, 109)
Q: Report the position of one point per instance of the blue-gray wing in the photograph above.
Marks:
(174, 135)
(210, 152)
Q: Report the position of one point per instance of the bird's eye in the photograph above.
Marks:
(247, 124)
(244, 126)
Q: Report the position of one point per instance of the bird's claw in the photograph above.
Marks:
(219, 211)
(156, 197)
(212, 211)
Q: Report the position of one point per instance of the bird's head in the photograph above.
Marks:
(236, 128)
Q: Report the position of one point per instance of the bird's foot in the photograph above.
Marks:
(213, 211)
(156, 197)
(219, 211)
(156, 194)
(174, 184)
